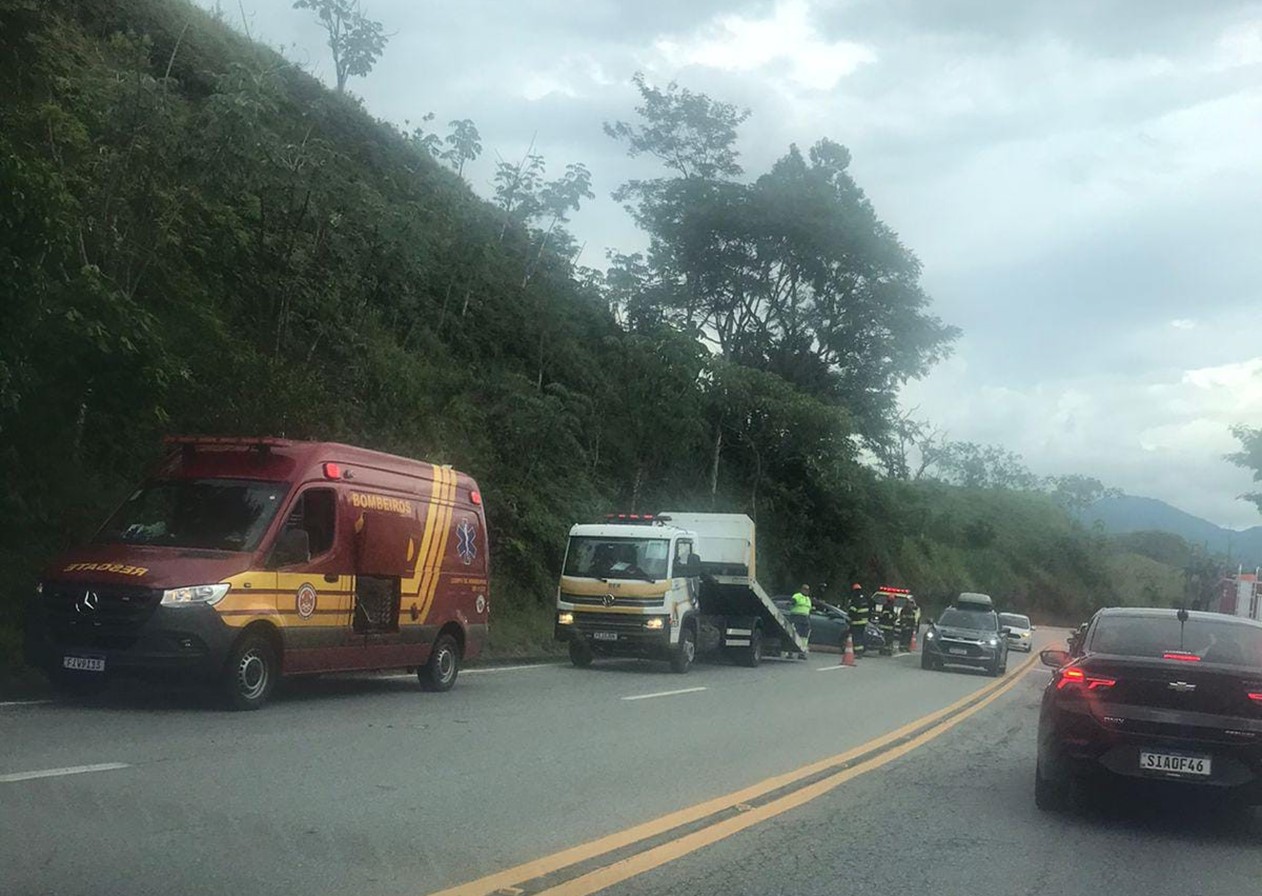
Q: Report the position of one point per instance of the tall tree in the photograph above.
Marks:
(1250, 457)
(793, 274)
(355, 40)
(464, 144)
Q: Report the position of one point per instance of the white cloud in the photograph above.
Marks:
(786, 38)
(1162, 437)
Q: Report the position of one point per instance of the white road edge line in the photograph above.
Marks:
(479, 671)
(831, 668)
(58, 772)
(666, 693)
(24, 703)
(485, 669)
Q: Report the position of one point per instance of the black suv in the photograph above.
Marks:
(966, 636)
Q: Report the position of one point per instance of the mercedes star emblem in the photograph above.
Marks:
(88, 603)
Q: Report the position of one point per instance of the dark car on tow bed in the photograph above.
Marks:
(1157, 695)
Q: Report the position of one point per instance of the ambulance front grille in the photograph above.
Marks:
(107, 617)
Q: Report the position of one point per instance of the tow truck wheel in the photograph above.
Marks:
(439, 674)
(685, 653)
(251, 673)
(751, 656)
(580, 653)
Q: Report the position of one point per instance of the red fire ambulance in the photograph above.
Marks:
(242, 560)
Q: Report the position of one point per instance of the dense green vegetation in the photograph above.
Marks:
(196, 236)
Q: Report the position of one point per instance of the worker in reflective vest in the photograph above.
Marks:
(800, 615)
(859, 611)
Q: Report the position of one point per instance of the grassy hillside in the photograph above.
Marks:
(199, 237)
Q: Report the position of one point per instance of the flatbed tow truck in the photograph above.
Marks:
(670, 586)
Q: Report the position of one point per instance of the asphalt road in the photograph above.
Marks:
(369, 785)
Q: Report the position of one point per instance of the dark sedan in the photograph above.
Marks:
(829, 625)
(1162, 695)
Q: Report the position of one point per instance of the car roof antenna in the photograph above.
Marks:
(1182, 616)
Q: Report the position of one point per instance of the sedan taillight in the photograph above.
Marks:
(1074, 677)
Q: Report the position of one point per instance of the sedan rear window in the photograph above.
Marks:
(1014, 620)
(1210, 640)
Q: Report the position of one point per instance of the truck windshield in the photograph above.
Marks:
(213, 514)
(601, 557)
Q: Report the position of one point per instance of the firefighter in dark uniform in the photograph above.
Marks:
(907, 623)
(858, 611)
(889, 624)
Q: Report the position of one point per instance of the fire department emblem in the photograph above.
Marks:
(466, 541)
(306, 603)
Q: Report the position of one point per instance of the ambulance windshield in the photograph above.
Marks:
(213, 514)
(600, 557)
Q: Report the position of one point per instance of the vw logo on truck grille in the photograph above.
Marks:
(607, 600)
(88, 603)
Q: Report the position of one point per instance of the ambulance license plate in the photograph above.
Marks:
(604, 636)
(84, 663)
(1169, 762)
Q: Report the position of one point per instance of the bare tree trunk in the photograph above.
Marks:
(714, 465)
(635, 488)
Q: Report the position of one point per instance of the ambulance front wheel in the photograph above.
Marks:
(251, 673)
(439, 674)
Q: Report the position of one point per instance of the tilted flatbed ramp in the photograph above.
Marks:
(737, 597)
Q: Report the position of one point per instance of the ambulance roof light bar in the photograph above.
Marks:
(261, 444)
(887, 589)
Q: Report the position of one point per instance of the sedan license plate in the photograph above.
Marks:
(1170, 763)
(83, 663)
(958, 651)
(605, 636)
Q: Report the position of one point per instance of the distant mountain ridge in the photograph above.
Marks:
(1129, 513)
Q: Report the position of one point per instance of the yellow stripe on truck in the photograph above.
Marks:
(597, 588)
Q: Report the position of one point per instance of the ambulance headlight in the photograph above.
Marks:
(566, 618)
(194, 595)
(655, 624)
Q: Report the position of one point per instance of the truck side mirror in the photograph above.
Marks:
(293, 546)
(692, 567)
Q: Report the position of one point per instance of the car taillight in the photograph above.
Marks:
(1181, 656)
(1256, 697)
(1075, 677)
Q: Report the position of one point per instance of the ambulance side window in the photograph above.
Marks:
(315, 513)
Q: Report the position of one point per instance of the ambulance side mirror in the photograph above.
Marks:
(293, 546)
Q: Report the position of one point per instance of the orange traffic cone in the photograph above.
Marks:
(912, 646)
(847, 655)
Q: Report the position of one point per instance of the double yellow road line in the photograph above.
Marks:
(591, 867)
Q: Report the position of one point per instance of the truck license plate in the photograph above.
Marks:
(604, 636)
(1168, 762)
(83, 663)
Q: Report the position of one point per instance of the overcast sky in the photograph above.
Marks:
(1082, 180)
